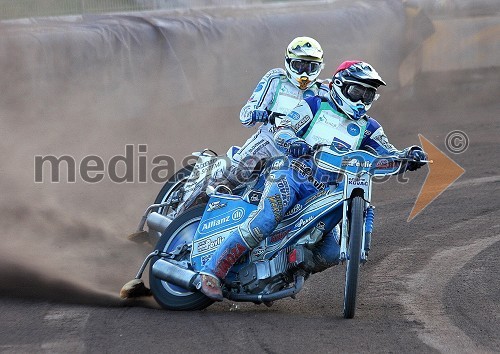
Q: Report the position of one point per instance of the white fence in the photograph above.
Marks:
(11, 9)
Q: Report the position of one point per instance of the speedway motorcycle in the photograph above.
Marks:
(187, 187)
(272, 270)
(181, 192)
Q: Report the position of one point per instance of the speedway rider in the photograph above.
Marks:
(339, 120)
(279, 91)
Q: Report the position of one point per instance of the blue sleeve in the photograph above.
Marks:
(295, 124)
(375, 139)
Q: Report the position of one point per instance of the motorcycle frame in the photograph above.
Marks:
(358, 168)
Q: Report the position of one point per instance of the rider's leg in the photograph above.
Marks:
(327, 252)
(257, 148)
(277, 198)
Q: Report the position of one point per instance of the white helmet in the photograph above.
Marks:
(303, 61)
(353, 88)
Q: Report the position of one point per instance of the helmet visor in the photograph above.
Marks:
(360, 93)
(299, 66)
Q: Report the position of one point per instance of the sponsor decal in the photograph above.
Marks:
(282, 142)
(353, 129)
(317, 184)
(302, 122)
(259, 146)
(386, 164)
(293, 115)
(294, 210)
(238, 214)
(319, 139)
(324, 120)
(306, 171)
(254, 197)
(259, 86)
(278, 164)
(258, 251)
(215, 206)
(257, 233)
(355, 163)
(284, 189)
(227, 259)
(207, 244)
(357, 181)
(278, 237)
(212, 223)
(205, 259)
(301, 168)
(340, 145)
(286, 91)
(317, 196)
(303, 222)
(276, 206)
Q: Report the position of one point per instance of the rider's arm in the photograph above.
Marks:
(295, 124)
(376, 141)
(262, 96)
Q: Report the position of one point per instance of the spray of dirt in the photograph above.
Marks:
(67, 241)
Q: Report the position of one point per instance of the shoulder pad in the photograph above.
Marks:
(273, 73)
(372, 123)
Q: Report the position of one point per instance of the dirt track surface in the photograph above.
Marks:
(431, 284)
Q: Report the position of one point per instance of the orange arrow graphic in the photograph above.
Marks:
(442, 173)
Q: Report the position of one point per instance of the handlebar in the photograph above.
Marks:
(355, 162)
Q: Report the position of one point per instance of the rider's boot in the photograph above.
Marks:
(219, 264)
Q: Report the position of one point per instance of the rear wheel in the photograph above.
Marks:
(356, 222)
(180, 232)
(174, 183)
(172, 186)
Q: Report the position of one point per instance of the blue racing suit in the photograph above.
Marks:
(275, 94)
(317, 121)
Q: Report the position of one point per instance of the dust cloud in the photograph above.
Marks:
(67, 241)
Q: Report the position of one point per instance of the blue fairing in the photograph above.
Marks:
(225, 213)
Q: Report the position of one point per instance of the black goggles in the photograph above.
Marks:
(360, 93)
(302, 66)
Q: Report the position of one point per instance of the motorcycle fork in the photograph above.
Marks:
(349, 193)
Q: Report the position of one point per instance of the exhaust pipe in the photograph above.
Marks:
(176, 275)
(158, 222)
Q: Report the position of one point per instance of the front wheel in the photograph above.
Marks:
(356, 223)
(180, 232)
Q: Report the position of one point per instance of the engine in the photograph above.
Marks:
(270, 275)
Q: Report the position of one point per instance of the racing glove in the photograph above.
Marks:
(299, 148)
(260, 116)
(416, 155)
